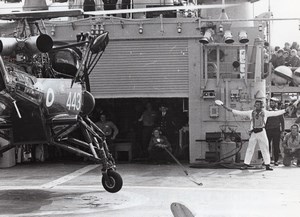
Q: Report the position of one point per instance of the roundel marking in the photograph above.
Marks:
(49, 97)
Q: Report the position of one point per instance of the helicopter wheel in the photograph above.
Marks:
(113, 183)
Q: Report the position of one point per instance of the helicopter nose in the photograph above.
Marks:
(88, 103)
(100, 43)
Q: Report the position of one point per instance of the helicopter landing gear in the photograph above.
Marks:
(91, 145)
(112, 181)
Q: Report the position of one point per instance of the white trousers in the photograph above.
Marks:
(262, 140)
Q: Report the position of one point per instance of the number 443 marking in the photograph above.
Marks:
(74, 101)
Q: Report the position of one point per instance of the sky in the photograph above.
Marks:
(281, 31)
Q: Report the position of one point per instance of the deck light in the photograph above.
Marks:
(179, 28)
(243, 37)
(207, 37)
(141, 29)
(101, 29)
(228, 39)
(221, 28)
(53, 30)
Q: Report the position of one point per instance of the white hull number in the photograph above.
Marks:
(73, 101)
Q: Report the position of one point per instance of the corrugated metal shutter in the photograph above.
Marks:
(142, 68)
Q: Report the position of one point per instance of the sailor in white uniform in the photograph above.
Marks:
(258, 118)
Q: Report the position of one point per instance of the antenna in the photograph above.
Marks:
(223, 15)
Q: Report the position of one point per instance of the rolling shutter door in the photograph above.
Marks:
(142, 68)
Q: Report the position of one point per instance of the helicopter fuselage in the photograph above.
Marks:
(30, 105)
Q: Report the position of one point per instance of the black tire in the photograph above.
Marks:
(115, 182)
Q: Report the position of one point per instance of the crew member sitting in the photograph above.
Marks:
(157, 144)
(291, 146)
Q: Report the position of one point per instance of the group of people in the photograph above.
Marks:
(158, 132)
(267, 126)
(289, 55)
(90, 5)
(155, 131)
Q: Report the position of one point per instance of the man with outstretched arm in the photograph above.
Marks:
(258, 118)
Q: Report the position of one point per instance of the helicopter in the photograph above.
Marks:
(44, 98)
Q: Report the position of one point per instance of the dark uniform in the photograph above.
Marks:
(274, 127)
(167, 126)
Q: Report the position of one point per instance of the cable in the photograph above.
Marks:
(184, 169)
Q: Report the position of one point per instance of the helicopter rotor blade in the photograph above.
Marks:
(169, 8)
(37, 15)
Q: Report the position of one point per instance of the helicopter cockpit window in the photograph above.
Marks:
(19, 76)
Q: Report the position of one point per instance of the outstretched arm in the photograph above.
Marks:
(220, 103)
(288, 109)
(227, 108)
(235, 112)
